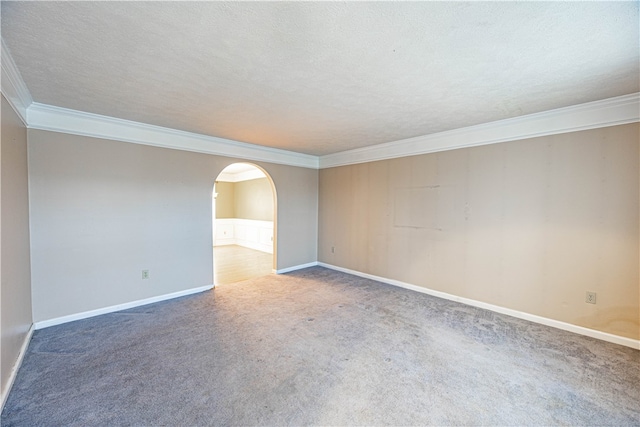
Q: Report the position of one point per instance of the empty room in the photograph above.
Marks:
(320, 213)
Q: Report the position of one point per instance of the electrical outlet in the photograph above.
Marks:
(591, 297)
(333, 249)
(145, 274)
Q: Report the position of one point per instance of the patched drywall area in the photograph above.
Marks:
(15, 265)
(103, 211)
(528, 225)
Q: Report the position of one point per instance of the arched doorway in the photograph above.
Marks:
(244, 206)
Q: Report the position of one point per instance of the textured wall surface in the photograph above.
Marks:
(528, 225)
(15, 269)
(102, 211)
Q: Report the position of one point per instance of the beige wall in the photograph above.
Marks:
(254, 199)
(528, 225)
(102, 211)
(225, 201)
(15, 298)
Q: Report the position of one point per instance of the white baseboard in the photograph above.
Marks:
(604, 336)
(225, 242)
(86, 314)
(297, 267)
(16, 366)
(248, 233)
(262, 247)
(256, 246)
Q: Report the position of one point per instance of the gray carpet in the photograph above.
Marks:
(318, 347)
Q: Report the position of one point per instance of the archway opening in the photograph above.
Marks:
(244, 206)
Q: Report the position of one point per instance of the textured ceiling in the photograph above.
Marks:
(322, 77)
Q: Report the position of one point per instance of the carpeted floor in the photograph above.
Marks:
(319, 347)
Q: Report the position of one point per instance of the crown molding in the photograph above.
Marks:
(58, 119)
(607, 112)
(13, 87)
(241, 176)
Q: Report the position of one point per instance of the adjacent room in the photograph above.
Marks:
(320, 213)
(244, 208)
